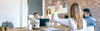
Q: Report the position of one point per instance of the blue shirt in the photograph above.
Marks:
(90, 21)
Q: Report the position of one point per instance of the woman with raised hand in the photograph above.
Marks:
(75, 20)
(76, 23)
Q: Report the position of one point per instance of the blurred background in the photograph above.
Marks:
(18, 11)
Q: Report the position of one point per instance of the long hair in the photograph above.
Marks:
(76, 13)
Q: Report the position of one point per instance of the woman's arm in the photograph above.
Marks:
(61, 21)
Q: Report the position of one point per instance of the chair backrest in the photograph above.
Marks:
(7, 24)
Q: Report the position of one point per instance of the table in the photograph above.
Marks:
(41, 28)
(2, 29)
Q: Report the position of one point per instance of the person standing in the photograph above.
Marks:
(91, 22)
(77, 23)
(75, 20)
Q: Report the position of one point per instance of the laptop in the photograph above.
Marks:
(43, 21)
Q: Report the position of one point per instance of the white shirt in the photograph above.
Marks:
(33, 20)
(64, 22)
(70, 22)
(73, 25)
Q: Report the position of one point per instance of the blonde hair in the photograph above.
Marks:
(48, 12)
(76, 13)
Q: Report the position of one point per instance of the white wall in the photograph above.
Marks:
(14, 11)
(24, 13)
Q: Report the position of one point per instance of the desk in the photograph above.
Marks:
(41, 28)
(2, 29)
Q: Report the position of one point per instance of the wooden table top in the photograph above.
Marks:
(41, 28)
(2, 29)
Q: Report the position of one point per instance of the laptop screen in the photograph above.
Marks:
(43, 22)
